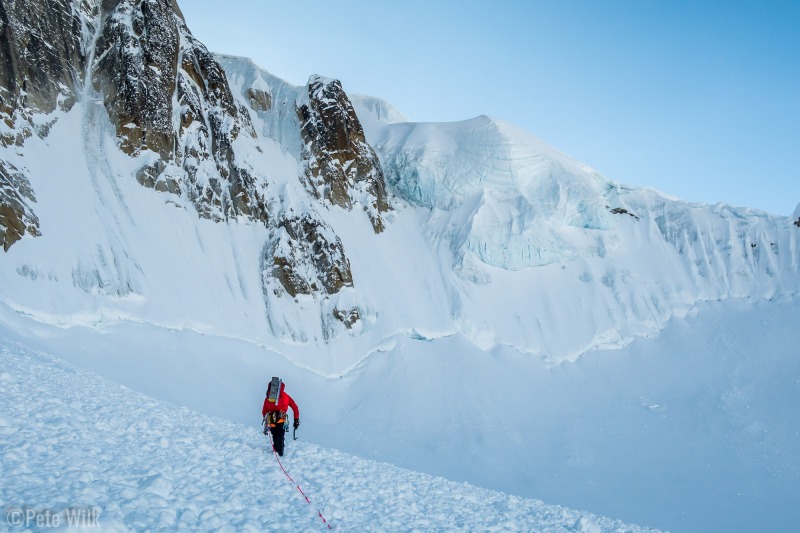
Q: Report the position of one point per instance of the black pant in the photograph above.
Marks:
(278, 433)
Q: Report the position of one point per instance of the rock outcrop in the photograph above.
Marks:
(166, 93)
(339, 165)
(259, 100)
(41, 55)
(308, 257)
(16, 216)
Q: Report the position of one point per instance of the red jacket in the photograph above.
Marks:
(284, 403)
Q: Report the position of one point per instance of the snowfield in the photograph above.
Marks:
(695, 429)
(72, 440)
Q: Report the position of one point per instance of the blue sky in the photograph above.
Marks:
(697, 99)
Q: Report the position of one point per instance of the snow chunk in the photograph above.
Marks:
(585, 525)
(156, 484)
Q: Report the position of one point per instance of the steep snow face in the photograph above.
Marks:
(337, 164)
(505, 239)
(273, 102)
(440, 164)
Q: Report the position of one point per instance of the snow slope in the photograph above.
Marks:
(72, 440)
(694, 429)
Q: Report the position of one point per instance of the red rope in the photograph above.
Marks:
(277, 457)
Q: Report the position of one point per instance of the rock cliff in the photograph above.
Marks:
(339, 165)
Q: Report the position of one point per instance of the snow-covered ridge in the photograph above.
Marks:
(136, 463)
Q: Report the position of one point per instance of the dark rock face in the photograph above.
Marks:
(340, 166)
(137, 53)
(148, 59)
(300, 238)
(259, 100)
(348, 317)
(138, 57)
(41, 54)
(16, 216)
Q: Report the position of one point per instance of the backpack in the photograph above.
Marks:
(274, 391)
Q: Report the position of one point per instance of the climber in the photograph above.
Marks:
(275, 413)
